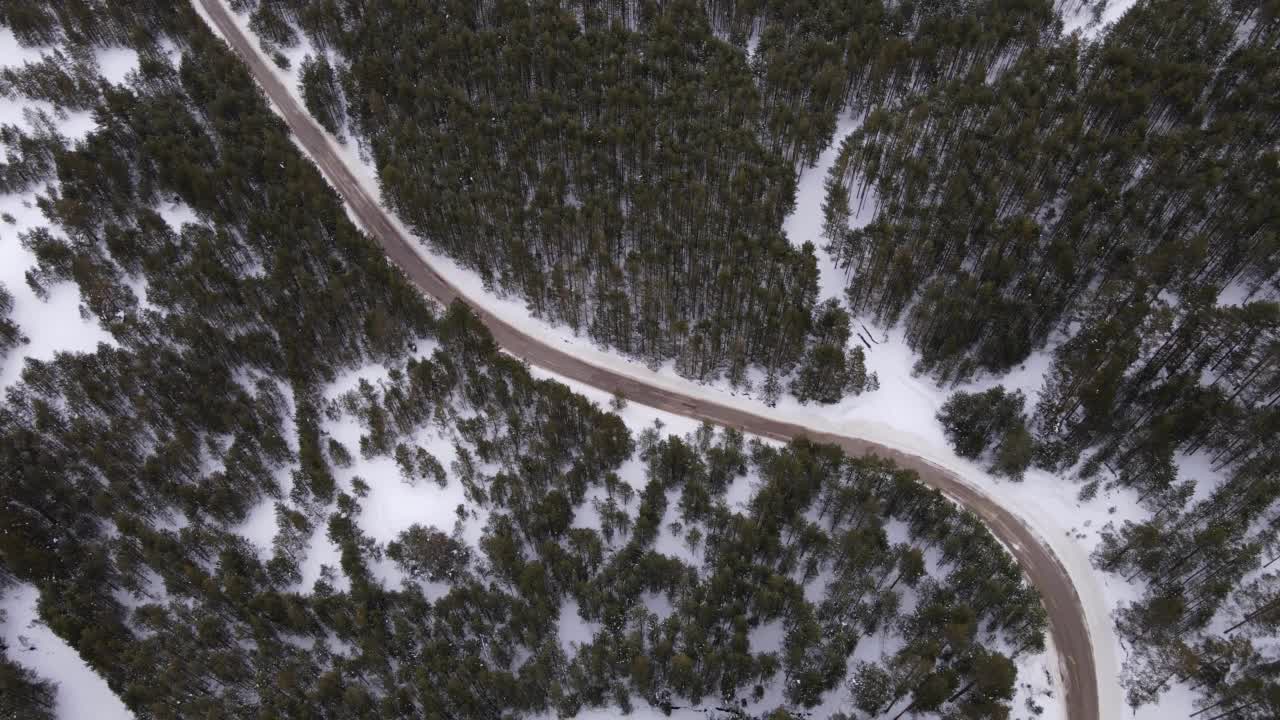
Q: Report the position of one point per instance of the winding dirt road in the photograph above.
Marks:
(1067, 622)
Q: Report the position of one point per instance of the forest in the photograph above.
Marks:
(1008, 189)
(129, 470)
(1120, 199)
(625, 169)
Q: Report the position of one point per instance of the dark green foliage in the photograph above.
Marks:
(321, 93)
(1014, 453)
(10, 334)
(1103, 184)
(29, 157)
(267, 22)
(828, 371)
(609, 172)
(338, 454)
(990, 423)
(430, 554)
(819, 499)
(68, 82)
(870, 686)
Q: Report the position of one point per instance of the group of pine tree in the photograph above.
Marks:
(625, 168)
(127, 472)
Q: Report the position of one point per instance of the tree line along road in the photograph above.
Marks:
(1067, 623)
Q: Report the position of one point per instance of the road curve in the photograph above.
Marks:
(1067, 622)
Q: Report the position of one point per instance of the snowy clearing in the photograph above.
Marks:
(804, 224)
(1081, 18)
(81, 693)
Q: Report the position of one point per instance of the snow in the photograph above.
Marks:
(178, 215)
(1038, 682)
(81, 692)
(259, 527)
(115, 64)
(671, 543)
(657, 603)
(804, 224)
(321, 553)
(1114, 10)
(768, 637)
(13, 109)
(1236, 293)
(1081, 19)
(51, 325)
(573, 630)
(372, 373)
(740, 492)
(392, 504)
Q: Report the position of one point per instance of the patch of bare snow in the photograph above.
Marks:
(587, 515)
(81, 692)
(767, 637)
(740, 491)
(671, 536)
(804, 224)
(15, 53)
(321, 553)
(115, 64)
(573, 631)
(1236, 293)
(259, 527)
(657, 603)
(1114, 10)
(177, 214)
(1082, 18)
(372, 373)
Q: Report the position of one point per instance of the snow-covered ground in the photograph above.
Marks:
(81, 692)
(804, 224)
(1082, 18)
